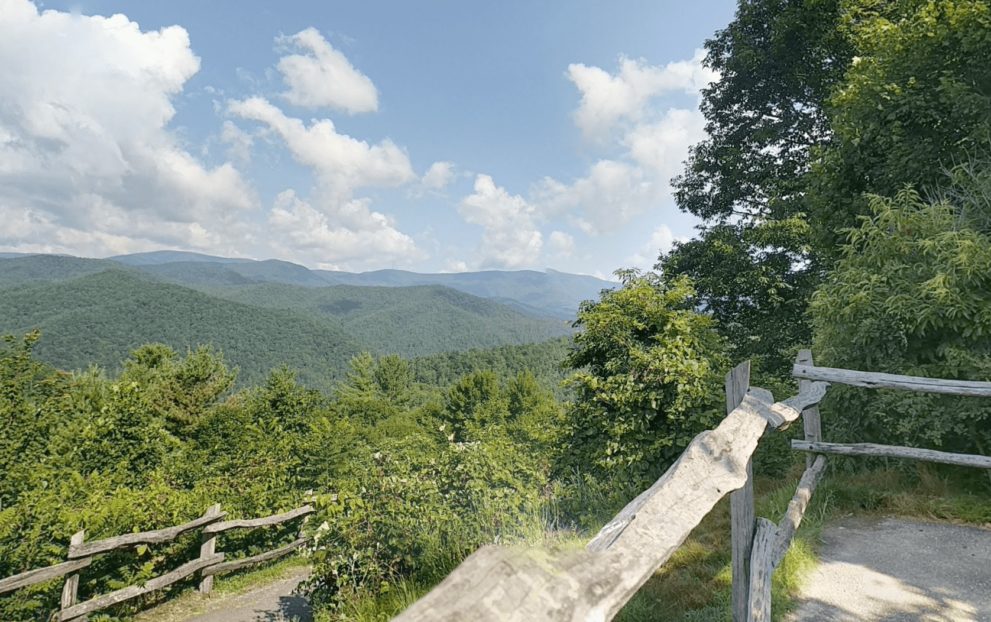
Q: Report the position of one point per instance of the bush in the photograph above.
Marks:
(912, 295)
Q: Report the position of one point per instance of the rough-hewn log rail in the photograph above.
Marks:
(127, 593)
(506, 584)
(33, 577)
(254, 523)
(796, 509)
(88, 549)
(894, 451)
(877, 380)
(237, 564)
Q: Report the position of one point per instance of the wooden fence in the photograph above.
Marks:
(498, 584)
(208, 564)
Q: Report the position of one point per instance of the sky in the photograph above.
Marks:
(438, 135)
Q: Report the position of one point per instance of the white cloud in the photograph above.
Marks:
(661, 147)
(322, 76)
(87, 162)
(654, 142)
(351, 235)
(607, 197)
(661, 241)
(438, 175)
(342, 164)
(610, 98)
(238, 142)
(561, 243)
(332, 226)
(511, 239)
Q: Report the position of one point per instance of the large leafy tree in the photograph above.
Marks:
(647, 378)
(916, 102)
(778, 60)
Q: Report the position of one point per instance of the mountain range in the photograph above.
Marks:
(262, 314)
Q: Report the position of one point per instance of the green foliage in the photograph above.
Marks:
(912, 295)
(647, 380)
(914, 103)
(99, 319)
(752, 264)
(747, 279)
(409, 321)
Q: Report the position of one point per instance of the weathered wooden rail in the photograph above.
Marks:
(512, 584)
(208, 564)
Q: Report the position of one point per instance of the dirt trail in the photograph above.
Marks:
(271, 602)
(896, 570)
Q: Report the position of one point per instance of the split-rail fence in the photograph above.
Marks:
(504, 584)
(209, 563)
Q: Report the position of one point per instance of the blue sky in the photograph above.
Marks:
(428, 136)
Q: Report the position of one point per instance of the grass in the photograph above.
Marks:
(695, 584)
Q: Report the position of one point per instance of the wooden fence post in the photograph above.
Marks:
(741, 504)
(70, 589)
(810, 416)
(759, 603)
(208, 548)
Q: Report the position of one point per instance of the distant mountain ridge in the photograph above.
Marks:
(260, 314)
(550, 293)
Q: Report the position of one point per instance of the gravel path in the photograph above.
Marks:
(274, 602)
(896, 570)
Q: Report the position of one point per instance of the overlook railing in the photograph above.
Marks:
(208, 564)
(498, 584)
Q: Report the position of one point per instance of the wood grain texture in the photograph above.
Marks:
(759, 603)
(133, 591)
(877, 380)
(70, 588)
(253, 523)
(894, 451)
(796, 509)
(504, 584)
(741, 504)
(237, 564)
(145, 537)
(33, 577)
(811, 420)
(208, 547)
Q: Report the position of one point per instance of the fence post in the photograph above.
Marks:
(810, 416)
(208, 548)
(759, 605)
(741, 504)
(70, 589)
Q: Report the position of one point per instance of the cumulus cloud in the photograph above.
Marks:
(343, 164)
(605, 198)
(338, 235)
(438, 175)
(661, 241)
(332, 226)
(561, 243)
(610, 98)
(510, 238)
(238, 142)
(87, 162)
(322, 76)
(654, 141)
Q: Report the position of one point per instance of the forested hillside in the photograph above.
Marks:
(843, 189)
(411, 321)
(96, 319)
(551, 293)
